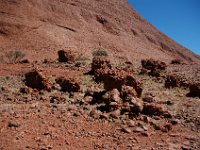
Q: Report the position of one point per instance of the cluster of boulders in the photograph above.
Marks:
(152, 67)
(122, 91)
(113, 77)
(37, 80)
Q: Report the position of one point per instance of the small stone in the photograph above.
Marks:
(131, 123)
(174, 121)
(148, 99)
(185, 148)
(156, 117)
(126, 130)
(115, 114)
(103, 116)
(88, 99)
(138, 129)
(145, 133)
(13, 125)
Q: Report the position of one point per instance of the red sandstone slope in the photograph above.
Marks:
(41, 27)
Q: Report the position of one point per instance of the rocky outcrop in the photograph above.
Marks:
(100, 62)
(68, 84)
(153, 67)
(36, 79)
(172, 81)
(194, 90)
(66, 56)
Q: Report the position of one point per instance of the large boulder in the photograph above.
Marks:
(36, 79)
(66, 56)
(194, 90)
(68, 84)
(100, 62)
(112, 99)
(154, 109)
(116, 78)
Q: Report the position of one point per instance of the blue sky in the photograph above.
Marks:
(179, 19)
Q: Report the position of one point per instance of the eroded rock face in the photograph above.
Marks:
(66, 56)
(35, 79)
(68, 84)
(194, 90)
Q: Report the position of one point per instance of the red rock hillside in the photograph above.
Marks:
(41, 28)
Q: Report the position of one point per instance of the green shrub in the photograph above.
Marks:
(14, 56)
(100, 53)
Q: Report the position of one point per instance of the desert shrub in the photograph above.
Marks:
(81, 58)
(99, 53)
(14, 56)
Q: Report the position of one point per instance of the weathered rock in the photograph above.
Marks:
(66, 56)
(116, 78)
(26, 90)
(143, 71)
(138, 129)
(68, 84)
(35, 79)
(151, 64)
(13, 124)
(148, 99)
(176, 61)
(25, 61)
(176, 81)
(166, 127)
(172, 81)
(155, 73)
(131, 123)
(127, 91)
(100, 62)
(152, 67)
(137, 107)
(153, 109)
(133, 106)
(194, 90)
(111, 96)
(57, 99)
(126, 130)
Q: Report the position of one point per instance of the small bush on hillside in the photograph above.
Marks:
(81, 58)
(100, 53)
(14, 56)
